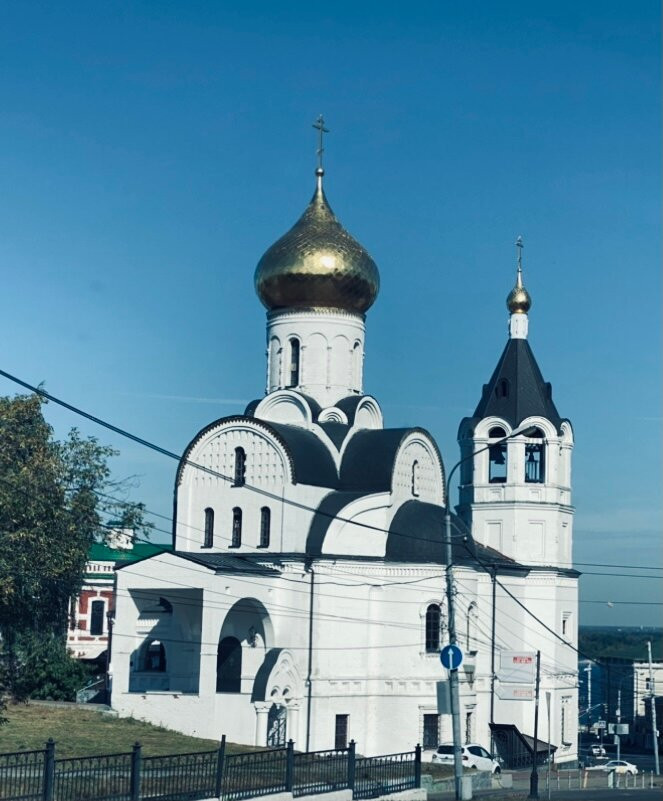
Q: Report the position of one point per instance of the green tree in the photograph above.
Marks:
(54, 500)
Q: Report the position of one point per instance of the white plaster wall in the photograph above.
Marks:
(368, 649)
(428, 483)
(331, 352)
(267, 468)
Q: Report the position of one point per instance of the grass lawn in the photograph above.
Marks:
(78, 731)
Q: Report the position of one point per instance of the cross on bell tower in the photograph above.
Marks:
(319, 125)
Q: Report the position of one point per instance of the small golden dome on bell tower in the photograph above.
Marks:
(519, 300)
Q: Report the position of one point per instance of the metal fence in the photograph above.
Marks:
(97, 778)
(323, 771)
(22, 775)
(179, 777)
(376, 776)
(257, 773)
(40, 776)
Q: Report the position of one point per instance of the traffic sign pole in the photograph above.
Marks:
(453, 672)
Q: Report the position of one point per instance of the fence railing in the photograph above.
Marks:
(255, 774)
(22, 775)
(323, 771)
(40, 776)
(376, 776)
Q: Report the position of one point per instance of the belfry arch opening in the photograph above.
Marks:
(497, 461)
(535, 457)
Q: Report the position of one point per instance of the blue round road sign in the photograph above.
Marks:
(451, 657)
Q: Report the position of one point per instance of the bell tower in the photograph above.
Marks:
(516, 493)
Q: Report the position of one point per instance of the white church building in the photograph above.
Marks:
(304, 597)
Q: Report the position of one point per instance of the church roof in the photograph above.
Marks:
(310, 460)
(417, 534)
(312, 463)
(219, 562)
(368, 461)
(516, 389)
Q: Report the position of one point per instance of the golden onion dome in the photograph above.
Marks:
(317, 264)
(519, 300)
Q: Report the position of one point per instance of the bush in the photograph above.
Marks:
(45, 669)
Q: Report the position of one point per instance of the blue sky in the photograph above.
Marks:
(150, 153)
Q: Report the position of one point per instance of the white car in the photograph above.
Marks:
(618, 765)
(597, 750)
(474, 756)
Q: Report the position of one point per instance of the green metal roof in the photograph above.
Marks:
(100, 552)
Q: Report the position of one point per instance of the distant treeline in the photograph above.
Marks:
(627, 643)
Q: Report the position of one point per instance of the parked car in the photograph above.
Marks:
(474, 756)
(618, 765)
(597, 751)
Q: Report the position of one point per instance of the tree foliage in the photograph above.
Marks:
(55, 500)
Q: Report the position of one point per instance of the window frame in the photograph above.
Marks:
(239, 471)
(432, 628)
(95, 603)
(294, 362)
(265, 527)
(208, 535)
(342, 732)
(236, 531)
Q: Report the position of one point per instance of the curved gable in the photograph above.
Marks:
(307, 459)
(370, 458)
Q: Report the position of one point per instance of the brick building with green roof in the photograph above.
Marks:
(87, 637)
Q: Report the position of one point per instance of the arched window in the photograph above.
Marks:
(472, 639)
(229, 666)
(415, 478)
(433, 620)
(535, 468)
(502, 388)
(240, 467)
(154, 657)
(97, 618)
(265, 522)
(497, 457)
(209, 528)
(293, 370)
(236, 538)
(356, 366)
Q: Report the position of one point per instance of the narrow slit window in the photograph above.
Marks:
(293, 372)
(265, 524)
(236, 538)
(240, 467)
(208, 541)
(415, 478)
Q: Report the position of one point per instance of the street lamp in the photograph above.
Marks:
(451, 617)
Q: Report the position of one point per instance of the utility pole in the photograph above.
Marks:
(453, 673)
(619, 720)
(588, 671)
(548, 694)
(534, 776)
(493, 577)
(652, 701)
